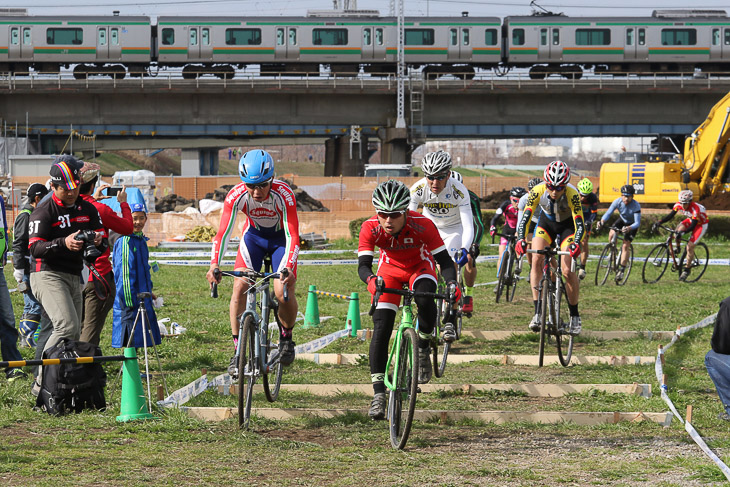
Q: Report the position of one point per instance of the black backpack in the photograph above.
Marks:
(72, 387)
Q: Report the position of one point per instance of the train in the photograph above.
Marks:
(668, 42)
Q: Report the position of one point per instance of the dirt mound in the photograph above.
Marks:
(158, 164)
(718, 201)
(492, 201)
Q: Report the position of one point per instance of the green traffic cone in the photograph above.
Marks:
(134, 405)
(353, 314)
(311, 314)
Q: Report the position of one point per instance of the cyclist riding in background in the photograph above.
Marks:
(589, 202)
(509, 209)
(561, 221)
(409, 243)
(532, 223)
(447, 204)
(695, 224)
(271, 228)
(629, 219)
(476, 212)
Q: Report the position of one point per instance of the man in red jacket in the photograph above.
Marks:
(99, 291)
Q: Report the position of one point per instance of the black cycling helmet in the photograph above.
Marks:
(627, 190)
(517, 192)
(533, 182)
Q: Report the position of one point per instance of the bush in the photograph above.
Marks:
(355, 227)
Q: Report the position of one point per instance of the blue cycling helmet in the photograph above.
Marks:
(256, 166)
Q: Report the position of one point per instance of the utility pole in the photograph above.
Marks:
(401, 120)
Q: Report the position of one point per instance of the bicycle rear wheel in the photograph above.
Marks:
(629, 265)
(655, 264)
(545, 311)
(511, 277)
(563, 342)
(604, 266)
(439, 365)
(246, 371)
(272, 379)
(502, 276)
(699, 263)
(402, 403)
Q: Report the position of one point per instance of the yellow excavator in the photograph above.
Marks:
(701, 168)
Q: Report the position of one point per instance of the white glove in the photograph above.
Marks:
(626, 229)
(18, 274)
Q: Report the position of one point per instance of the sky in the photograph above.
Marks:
(497, 8)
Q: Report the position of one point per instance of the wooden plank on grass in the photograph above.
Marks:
(498, 417)
(529, 389)
(354, 358)
(497, 335)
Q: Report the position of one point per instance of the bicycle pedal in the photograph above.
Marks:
(418, 389)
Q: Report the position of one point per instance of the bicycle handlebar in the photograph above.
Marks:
(380, 289)
(247, 273)
(552, 252)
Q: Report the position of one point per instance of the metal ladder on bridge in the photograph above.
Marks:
(416, 135)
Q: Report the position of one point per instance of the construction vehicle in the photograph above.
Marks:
(700, 168)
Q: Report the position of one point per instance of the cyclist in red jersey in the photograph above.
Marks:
(695, 224)
(410, 246)
(271, 228)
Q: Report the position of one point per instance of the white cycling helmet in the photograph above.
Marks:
(685, 196)
(557, 173)
(457, 175)
(436, 162)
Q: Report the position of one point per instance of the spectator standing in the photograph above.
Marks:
(98, 294)
(717, 359)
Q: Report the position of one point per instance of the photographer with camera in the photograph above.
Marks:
(98, 294)
(64, 230)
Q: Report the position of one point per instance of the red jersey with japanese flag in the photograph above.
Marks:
(695, 211)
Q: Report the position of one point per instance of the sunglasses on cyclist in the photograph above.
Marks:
(555, 188)
(392, 215)
(258, 185)
(438, 177)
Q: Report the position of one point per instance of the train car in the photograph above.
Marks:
(94, 43)
(343, 44)
(668, 42)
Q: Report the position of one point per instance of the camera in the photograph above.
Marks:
(113, 190)
(90, 251)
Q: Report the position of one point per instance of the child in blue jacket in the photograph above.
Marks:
(132, 276)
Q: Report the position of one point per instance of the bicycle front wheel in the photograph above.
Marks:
(246, 371)
(439, 365)
(272, 378)
(655, 264)
(511, 277)
(563, 342)
(502, 277)
(604, 266)
(629, 265)
(545, 312)
(699, 263)
(402, 402)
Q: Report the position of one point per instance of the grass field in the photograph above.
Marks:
(92, 448)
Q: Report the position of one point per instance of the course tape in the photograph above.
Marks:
(659, 370)
(201, 384)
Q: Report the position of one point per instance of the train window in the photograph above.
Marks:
(114, 36)
(543, 37)
(244, 37)
(592, 37)
(490, 37)
(454, 37)
(379, 37)
(629, 37)
(26, 36)
(642, 37)
(15, 36)
(715, 37)
(205, 37)
(518, 37)
(168, 37)
(329, 37)
(102, 37)
(679, 37)
(727, 37)
(279, 37)
(419, 37)
(193, 37)
(556, 37)
(64, 36)
(367, 37)
(292, 37)
(465, 37)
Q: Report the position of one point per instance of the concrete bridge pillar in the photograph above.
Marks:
(199, 162)
(337, 160)
(394, 145)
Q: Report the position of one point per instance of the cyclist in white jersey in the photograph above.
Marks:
(446, 203)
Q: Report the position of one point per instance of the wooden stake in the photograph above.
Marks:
(160, 392)
(203, 371)
(688, 417)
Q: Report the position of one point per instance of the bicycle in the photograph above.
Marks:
(256, 352)
(657, 261)
(507, 276)
(401, 369)
(610, 260)
(553, 306)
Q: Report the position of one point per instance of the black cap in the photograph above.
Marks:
(66, 171)
(36, 189)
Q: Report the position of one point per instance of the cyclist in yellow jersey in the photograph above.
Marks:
(561, 221)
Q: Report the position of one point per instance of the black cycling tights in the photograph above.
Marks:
(383, 320)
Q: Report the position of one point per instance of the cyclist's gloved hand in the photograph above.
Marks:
(521, 247)
(654, 227)
(574, 249)
(18, 274)
(464, 258)
(474, 250)
(372, 284)
(599, 225)
(457, 291)
(626, 229)
(492, 230)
